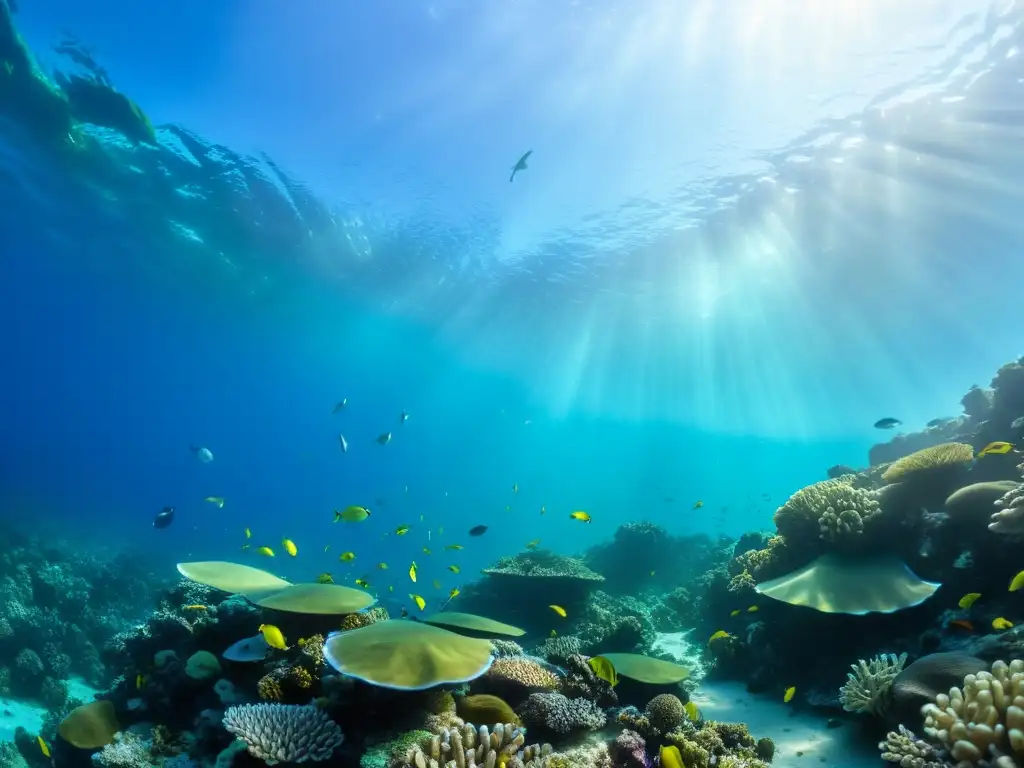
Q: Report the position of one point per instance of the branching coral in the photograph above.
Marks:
(278, 733)
(905, 749)
(983, 722)
(832, 509)
(127, 751)
(868, 685)
(559, 714)
(468, 747)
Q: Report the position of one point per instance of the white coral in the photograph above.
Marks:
(867, 686)
(982, 724)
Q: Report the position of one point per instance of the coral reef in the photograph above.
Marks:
(869, 684)
(282, 733)
(558, 714)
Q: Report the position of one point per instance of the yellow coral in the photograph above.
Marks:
(269, 688)
(524, 671)
(300, 677)
(313, 651)
(934, 459)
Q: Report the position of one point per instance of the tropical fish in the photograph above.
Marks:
(559, 610)
(995, 448)
(353, 514)
(533, 544)
(719, 635)
(289, 547)
(362, 583)
(347, 557)
(698, 504)
(478, 530)
(164, 517)
(343, 443)
(437, 583)
(42, 746)
(273, 636)
(604, 669)
(692, 711)
(403, 418)
(669, 757)
(382, 566)
(245, 547)
(752, 609)
(887, 423)
(196, 607)
(454, 593)
(205, 455)
(401, 530)
(1001, 623)
(420, 602)
(583, 517)
(1018, 582)
(265, 551)
(248, 533)
(520, 165)
(412, 572)
(454, 546)
(325, 578)
(969, 599)
(454, 568)
(961, 624)
(789, 694)
(426, 551)
(218, 500)
(515, 487)
(384, 438)
(735, 613)
(553, 633)
(140, 680)
(340, 405)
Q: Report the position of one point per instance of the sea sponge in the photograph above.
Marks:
(983, 720)
(484, 708)
(474, 623)
(928, 461)
(665, 712)
(832, 509)
(905, 749)
(869, 684)
(559, 714)
(284, 733)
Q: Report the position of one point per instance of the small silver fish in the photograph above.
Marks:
(343, 443)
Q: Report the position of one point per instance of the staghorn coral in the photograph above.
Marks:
(560, 714)
(665, 712)
(868, 686)
(908, 751)
(928, 461)
(284, 733)
(832, 510)
(982, 723)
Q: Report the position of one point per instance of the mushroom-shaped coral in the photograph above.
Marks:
(479, 625)
(283, 733)
(315, 599)
(868, 685)
(407, 655)
(854, 585)
(929, 462)
(636, 666)
(231, 577)
(983, 720)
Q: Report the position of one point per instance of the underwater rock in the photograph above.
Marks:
(974, 504)
(919, 683)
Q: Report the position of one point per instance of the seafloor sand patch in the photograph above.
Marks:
(791, 730)
(14, 713)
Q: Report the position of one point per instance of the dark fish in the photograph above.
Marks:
(164, 518)
(887, 423)
(520, 165)
(478, 530)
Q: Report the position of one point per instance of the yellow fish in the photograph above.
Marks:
(362, 583)
(412, 572)
(273, 636)
(454, 546)
(401, 530)
(420, 602)
(1001, 623)
(604, 669)
(583, 517)
(351, 514)
(1018, 582)
(196, 607)
(248, 533)
(971, 597)
(325, 578)
(515, 487)
(382, 566)
(559, 610)
(42, 746)
(454, 568)
(347, 557)
(289, 547)
(752, 609)
(437, 583)
(735, 613)
(533, 544)
(698, 504)
(140, 680)
(995, 448)
(265, 551)
(789, 694)
(543, 509)
(218, 500)
(454, 593)
(692, 711)
(719, 635)
(426, 551)
(245, 547)
(553, 634)
(669, 757)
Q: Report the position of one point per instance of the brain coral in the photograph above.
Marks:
(982, 723)
(665, 712)
(831, 509)
(928, 461)
(282, 733)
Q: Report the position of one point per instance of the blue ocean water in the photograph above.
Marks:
(745, 234)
